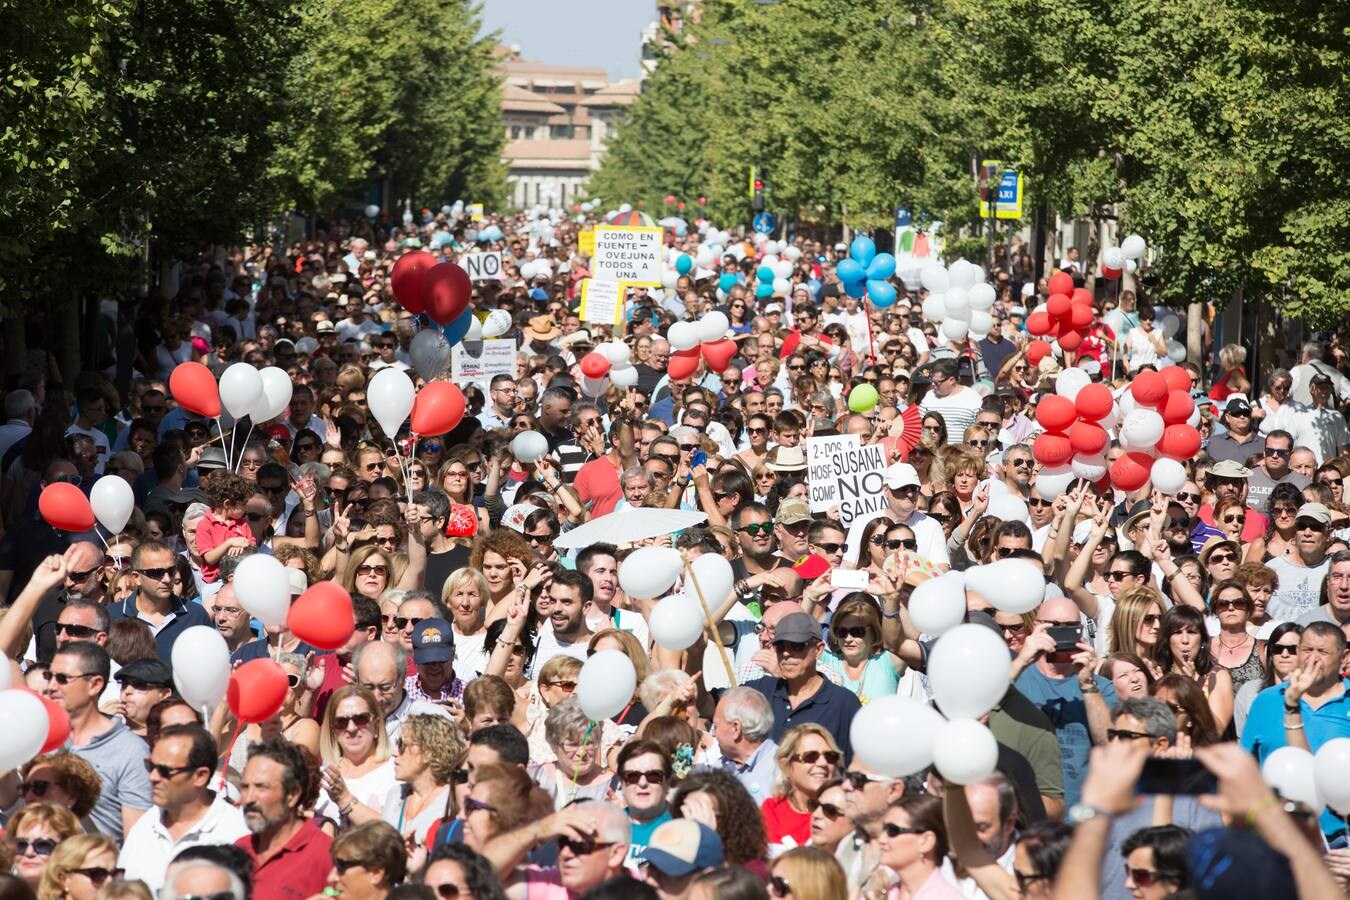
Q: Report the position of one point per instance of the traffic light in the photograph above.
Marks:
(757, 188)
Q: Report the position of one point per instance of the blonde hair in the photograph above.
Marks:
(787, 749)
(395, 562)
(813, 873)
(329, 750)
(459, 578)
(564, 666)
(1131, 607)
(70, 854)
(632, 648)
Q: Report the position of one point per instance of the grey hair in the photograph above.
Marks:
(194, 513)
(611, 823)
(294, 659)
(636, 472)
(680, 432)
(1279, 373)
(565, 720)
(825, 399)
(749, 708)
(658, 684)
(1155, 716)
(393, 595)
(400, 658)
(1313, 349)
(19, 404)
(167, 891)
(316, 470)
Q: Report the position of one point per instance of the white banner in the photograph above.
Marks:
(631, 255)
(483, 266)
(476, 362)
(843, 473)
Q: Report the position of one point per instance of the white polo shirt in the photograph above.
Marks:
(148, 848)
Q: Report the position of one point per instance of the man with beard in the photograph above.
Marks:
(564, 603)
(289, 852)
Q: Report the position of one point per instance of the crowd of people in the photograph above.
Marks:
(442, 752)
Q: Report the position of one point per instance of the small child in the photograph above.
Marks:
(224, 530)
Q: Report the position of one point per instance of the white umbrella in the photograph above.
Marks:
(625, 526)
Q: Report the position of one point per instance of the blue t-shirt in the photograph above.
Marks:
(641, 834)
(1062, 702)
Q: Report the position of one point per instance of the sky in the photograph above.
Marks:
(574, 32)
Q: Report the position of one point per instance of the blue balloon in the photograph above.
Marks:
(726, 282)
(855, 288)
(881, 293)
(862, 249)
(764, 290)
(850, 270)
(881, 267)
(455, 331)
(683, 263)
(764, 274)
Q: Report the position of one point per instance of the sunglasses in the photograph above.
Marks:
(430, 447)
(360, 720)
(1124, 734)
(655, 776)
(471, 805)
(80, 576)
(97, 874)
(1145, 878)
(445, 891)
(1230, 603)
(1151, 619)
(1118, 575)
(63, 679)
(156, 574)
(754, 527)
(1276, 451)
(257, 517)
(1007, 630)
(829, 809)
(544, 538)
(163, 771)
(894, 831)
(342, 865)
(517, 648)
(582, 848)
(975, 443)
(1284, 649)
(795, 648)
(1285, 510)
(1022, 462)
(1005, 552)
(372, 569)
(566, 687)
(852, 631)
(79, 632)
(858, 780)
(1221, 558)
(1310, 525)
(40, 846)
(779, 886)
(811, 757)
(402, 622)
(831, 547)
(37, 787)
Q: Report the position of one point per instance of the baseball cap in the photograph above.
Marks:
(773, 308)
(1315, 511)
(841, 246)
(682, 846)
(325, 327)
(1226, 468)
(1237, 405)
(151, 671)
(900, 475)
(298, 580)
(791, 511)
(797, 628)
(433, 642)
(539, 295)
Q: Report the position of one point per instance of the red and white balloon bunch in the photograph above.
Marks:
(1154, 419)
(1118, 260)
(1064, 319)
(609, 363)
(706, 339)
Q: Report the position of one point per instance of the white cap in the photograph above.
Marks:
(900, 475)
(773, 308)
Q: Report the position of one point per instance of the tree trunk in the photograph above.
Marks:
(16, 344)
(1194, 333)
(66, 334)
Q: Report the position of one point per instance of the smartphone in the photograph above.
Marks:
(1175, 776)
(849, 579)
(1066, 637)
(698, 458)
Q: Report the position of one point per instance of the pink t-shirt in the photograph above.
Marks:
(597, 483)
(212, 532)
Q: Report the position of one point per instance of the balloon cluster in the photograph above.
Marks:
(1064, 319)
(490, 233)
(772, 274)
(1316, 780)
(866, 271)
(609, 363)
(441, 290)
(958, 300)
(1125, 258)
(706, 339)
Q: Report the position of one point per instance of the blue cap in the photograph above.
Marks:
(539, 295)
(681, 846)
(433, 642)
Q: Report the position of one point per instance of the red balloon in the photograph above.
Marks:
(1093, 402)
(1060, 283)
(1070, 340)
(1149, 388)
(1056, 413)
(594, 365)
(1039, 323)
(438, 407)
(65, 506)
(1179, 442)
(195, 389)
(1080, 315)
(1051, 449)
(256, 690)
(1058, 305)
(1177, 407)
(445, 292)
(1088, 438)
(682, 363)
(718, 354)
(1131, 470)
(1111, 275)
(406, 279)
(1177, 378)
(1081, 295)
(1037, 351)
(323, 616)
(58, 724)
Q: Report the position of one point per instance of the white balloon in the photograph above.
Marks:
(935, 307)
(1167, 475)
(957, 300)
(6, 673)
(475, 332)
(1169, 325)
(968, 671)
(606, 684)
(963, 315)
(1291, 773)
(1131, 267)
(964, 751)
(616, 352)
(683, 335)
(1193, 419)
(1070, 381)
(954, 329)
(669, 278)
(624, 376)
(1142, 428)
(201, 666)
(781, 287)
(240, 388)
(594, 387)
(430, 353)
(529, 446)
(715, 579)
(981, 323)
(527, 270)
(982, 296)
(963, 274)
(1053, 481)
(893, 735)
(625, 207)
(704, 257)
(263, 589)
(275, 397)
(793, 253)
(676, 622)
(390, 397)
(649, 572)
(713, 326)
(1125, 404)
(1089, 468)
(1112, 258)
(1176, 351)
(1330, 764)
(1133, 247)
(939, 604)
(935, 279)
(372, 211)
(1008, 508)
(498, 323)
(1014, 586)
(112, 501)
(783, 269)
(23, 727)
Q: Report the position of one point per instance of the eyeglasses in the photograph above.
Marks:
(811, 757)
(1284, 649)
(1188, 496)
(655, 776)
(1124, 734)
(1151, 620)
(402, 622)
(372, 569)
(1231, 520)
(582, 848)
(63, 679)
(757, 527)
(163, 771)
(566, 687)
(156, 574)
(40, 846)
(79, 632)
(360, 720)
(387, 688)
(37, 787)
(97, 874)
(430, 447)
(831, 547)
(1118, 575)
(852, 631)
(293, 680)
(894, 831)
(342, 865)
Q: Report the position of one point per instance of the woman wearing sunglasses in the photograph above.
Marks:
(369, 861)
(1281, 654)
(455, 872)
(354, 747)
(807, 758)
(33, 833)
(371, 571)
(78, 867)
(912, 844)
(59, 778)
(807, 873)
(1233, 646)
(829, 822)
(854, 657)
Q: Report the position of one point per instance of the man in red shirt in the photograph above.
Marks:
(289, 853)
(597, 482)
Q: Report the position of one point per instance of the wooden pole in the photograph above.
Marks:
(707, 617)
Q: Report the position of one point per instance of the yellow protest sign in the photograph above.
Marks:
(586, 242)
(601, 302)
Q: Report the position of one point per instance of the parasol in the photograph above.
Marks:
(625, 526)
(631, 218)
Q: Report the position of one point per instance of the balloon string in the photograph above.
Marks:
(221, 430)
(576, 771)
(247, 435)
(229, 748)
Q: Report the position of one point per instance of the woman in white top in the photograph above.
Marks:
(1146, 344)
(358, 771)
(427, 757)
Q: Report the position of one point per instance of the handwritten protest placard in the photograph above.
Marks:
(842, 472)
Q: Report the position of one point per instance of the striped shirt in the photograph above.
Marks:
(958, 409)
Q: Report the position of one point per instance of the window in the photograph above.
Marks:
(560, 132)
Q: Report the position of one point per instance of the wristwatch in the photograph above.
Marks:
(1081, 812)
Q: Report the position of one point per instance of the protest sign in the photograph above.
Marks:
(843, 473)
(483, 266)
(475, 211)
(586, 242)
(601, 302)
(476, 362)
(631, 255)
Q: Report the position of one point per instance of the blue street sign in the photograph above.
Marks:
(764, 223)
(902, 217)
(1007, 188)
